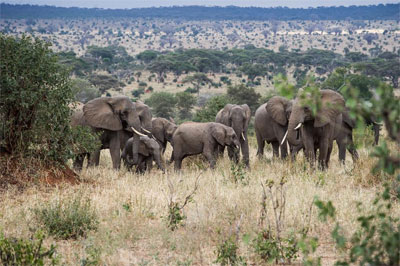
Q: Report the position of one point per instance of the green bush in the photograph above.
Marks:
(35, 94)
(210, 110)
(162, 104)
(15, 251)
(69, 218)
(227, 253)
(83, 90)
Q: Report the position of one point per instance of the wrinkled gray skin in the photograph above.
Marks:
(317, 133)
(112, 116)
(145, 118)
(149, 150)
(271, 122)
(192, 138)
(163, 130)
(238, 118)
(344, 140)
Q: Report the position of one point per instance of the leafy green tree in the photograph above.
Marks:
(197, 79)
(184, 103)
(35, 94)
(253, 70)
(162, 104)
(105, 82)
(83, 90)
(240, 94)
(147, 56)
(212, 107)
(160, 67)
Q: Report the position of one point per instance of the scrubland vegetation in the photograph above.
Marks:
(276, 212)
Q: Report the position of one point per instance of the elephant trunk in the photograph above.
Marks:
(157, 158)
(135, 149)
(295, 122)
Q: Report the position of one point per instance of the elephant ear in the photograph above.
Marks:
(225, 114)
(348, 120)
(276, 109)
(218, 132)
(332, 105)
(247, 111)
(100, 113)
(145, 145)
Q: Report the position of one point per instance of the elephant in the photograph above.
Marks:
(271, 122)
(193, 138)
(238, 118)
(145, 118)
(149, 150)
(110, 117)
(344, 140)
(317, 131)
(163, 130)
(376, 127)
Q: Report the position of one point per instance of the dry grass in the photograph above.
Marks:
(140, 236)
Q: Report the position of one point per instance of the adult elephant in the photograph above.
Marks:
(271, 122)
(238, 118)
(317, 130)
(145, 117)
(163, 130)
(110, 117)
(193, 138)
(344, 140)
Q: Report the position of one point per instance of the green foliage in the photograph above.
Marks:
(83, 90)
(162, 104)
(238, 173)
(253, 70)
(15, 251)
(72, 217)
(147, 56)
(272, 249)
(227, 253)
(84, 140)
(105, 82)
(184, 103)
(35, 94)
(377, 238)
(283, 87)
(240, 94)
(197, 79)
(210, 110)
(175, 216)
(138, 92)
(307, 246)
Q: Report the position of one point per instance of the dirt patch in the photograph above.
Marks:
(22, 172)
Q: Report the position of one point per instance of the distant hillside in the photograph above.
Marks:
(372, 12)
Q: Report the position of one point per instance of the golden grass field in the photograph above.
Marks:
(138, 234)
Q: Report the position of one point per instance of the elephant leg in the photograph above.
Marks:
(178, 160)
(95, 158)
(275, 148)
(284, 151)
(245, 152)
(328, 156)
(115, 151)
(209, 154)
(342, 150)
(324, 147)
(352, 149)
(260, 146)
(221, 150)
(149, 163)
(78, 162)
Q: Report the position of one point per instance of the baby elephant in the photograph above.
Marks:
(194, 138)
(149, 150)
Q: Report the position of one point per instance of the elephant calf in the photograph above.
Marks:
(149, 150)
(194, 138)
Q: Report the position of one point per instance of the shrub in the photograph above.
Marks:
(210, 110)
(162, 104)
(185, 103)
(69, 218)
(83, 90)
(15, 251)
(35, 94)
(227, 253)
(241, 94)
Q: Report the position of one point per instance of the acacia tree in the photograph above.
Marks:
(197, 80)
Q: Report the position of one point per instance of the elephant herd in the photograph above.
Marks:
(128, 130)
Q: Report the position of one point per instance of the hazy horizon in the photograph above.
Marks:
(126, 4)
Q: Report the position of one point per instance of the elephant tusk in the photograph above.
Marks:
(145, 130)
(243, 137)
(298, 126)
(376, 123)
(137, 132)
(284, 137)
